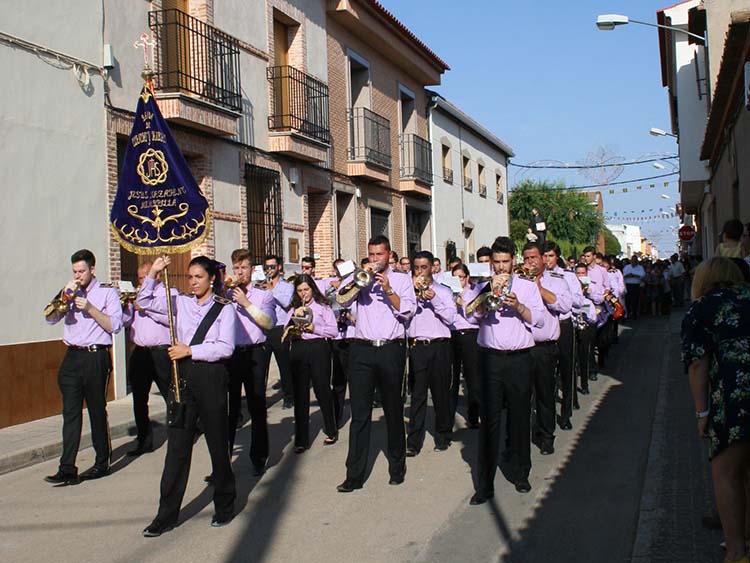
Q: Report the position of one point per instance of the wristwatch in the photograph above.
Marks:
(389, 292)
(701, 414)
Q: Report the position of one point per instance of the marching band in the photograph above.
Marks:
(523, 337)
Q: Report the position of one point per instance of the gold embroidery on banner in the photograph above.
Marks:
(145, 94)
(134, 244)
(179, 233)
(156, 173)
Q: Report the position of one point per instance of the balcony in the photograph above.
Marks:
(298, 118)
(468, 184)
(197, 72)
(448, 176)
(482, 190)
(416, 164)
(369, 145)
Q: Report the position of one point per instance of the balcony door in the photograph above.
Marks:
(174, 45)
(281, 86)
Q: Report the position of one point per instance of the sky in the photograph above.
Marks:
(542, 77)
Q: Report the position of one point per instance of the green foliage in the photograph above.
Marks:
(569, 215)
(518, 230)
(611, 244)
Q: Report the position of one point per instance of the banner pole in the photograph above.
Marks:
(175, 371)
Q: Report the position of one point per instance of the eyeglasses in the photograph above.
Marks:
(270, 267)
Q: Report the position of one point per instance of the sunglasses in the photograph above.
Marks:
(270, 267)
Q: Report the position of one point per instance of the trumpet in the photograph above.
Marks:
(230, 284)
(362, 279)
(420, 286)
(528, 272)
(297, 324)
(491, 297)
(127, 297)
(61, 302)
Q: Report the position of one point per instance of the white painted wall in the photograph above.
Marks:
(52, 161)
(451, 203)
(691, 110)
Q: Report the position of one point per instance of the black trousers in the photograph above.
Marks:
(429, 365)
(370, 366)
(544, 358)
(566, 346)
(205, 394)
(466, 358)
(147, 366)
(339, 377)
(280, 351)
(585, 344)
(311, 361)
(84, 375)
(506, 378)
(633, 300)
(249, 369)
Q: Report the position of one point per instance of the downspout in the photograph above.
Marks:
(432, 104)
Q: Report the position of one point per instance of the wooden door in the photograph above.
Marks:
(281, 85)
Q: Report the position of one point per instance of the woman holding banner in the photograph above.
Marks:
(205, 330)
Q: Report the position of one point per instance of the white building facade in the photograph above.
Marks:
(470, 191)
(629, 237)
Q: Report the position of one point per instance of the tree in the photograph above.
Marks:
(611, 244)
(568, 213)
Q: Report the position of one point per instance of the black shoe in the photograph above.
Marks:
(299, 449)
(348, 486)
(442, 447)
(288, 404)
(221, 521)
(479, 498)
(411, 452)
(564, 423)
(376, 404)
(593, 377)
(145, 447)
(259, 468)
(276, 386)
(63, 479)
(472, 424)
(584, 391)
(397, 480)
(94, 473)
(523, 485)
(547, 448)
(576, 406)
(331, 440)
(156, 528)
(209, 479)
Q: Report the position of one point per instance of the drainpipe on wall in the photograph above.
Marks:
(433, 229)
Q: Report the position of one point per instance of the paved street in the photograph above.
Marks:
(623, 485)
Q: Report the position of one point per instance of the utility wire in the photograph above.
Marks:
(589, 166)
(598, 185)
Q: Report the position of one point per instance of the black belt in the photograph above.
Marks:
(377, 343)
(545, 343)
(569, 320)
(159, 347)
(505, 352)
(467, 331)
(425, 341)
(247, 347)
(92, 348)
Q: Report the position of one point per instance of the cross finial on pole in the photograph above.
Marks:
(145, 42)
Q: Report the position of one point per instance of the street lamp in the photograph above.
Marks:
(607, 22)
(660, 133)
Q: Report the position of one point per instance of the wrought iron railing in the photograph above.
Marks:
(448, 176)
(416, 158)
(299, 103)
(369, 137)
(195, 58)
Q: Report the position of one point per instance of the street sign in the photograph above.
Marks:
(686, 233)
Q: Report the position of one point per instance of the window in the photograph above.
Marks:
(408, 112)
(359, 81)
(447, 169)
(468, 184)
(482, 183)
(499, 188)
(264, 219)
(378, 222)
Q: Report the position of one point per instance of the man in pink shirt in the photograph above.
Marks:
(92, 316)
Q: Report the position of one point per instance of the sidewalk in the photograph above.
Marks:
(33, 442)
(677, 490)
